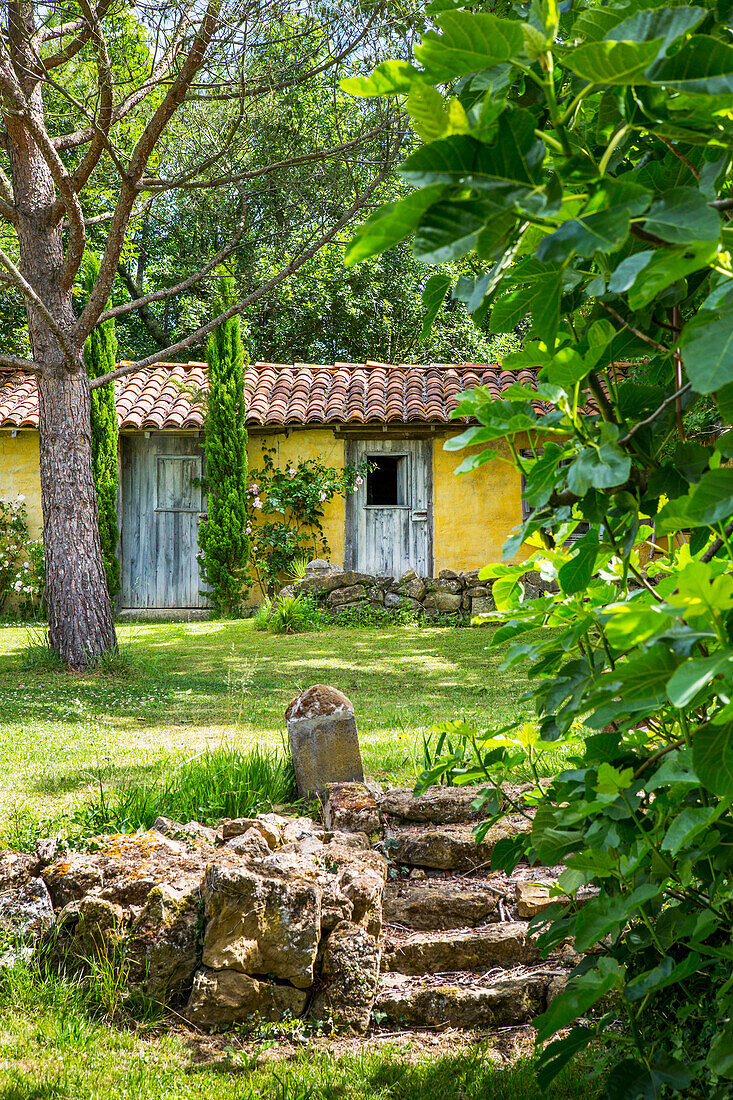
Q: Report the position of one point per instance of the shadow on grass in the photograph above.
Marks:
(469, 1076)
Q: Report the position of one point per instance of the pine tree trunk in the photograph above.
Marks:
(81, 625)
(80, 622)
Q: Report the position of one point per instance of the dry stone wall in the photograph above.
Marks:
(461, 594)
(451, 593)
(387, 911)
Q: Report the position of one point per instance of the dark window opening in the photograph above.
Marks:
(385, 480)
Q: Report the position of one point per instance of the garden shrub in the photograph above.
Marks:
(21, 561)
(285, 510)
(579, 159)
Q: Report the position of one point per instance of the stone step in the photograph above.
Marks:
(502, 946)
(450, 847)
(440, 904)
(460, 1001)
(444, 805)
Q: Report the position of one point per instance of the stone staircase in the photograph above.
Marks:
(456, 951)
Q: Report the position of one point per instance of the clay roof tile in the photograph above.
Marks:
(168, 395)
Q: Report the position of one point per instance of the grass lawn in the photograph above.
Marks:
(193, 685)
(189, 686)
(56, 1045)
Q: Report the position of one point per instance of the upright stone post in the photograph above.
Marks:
(323, 740)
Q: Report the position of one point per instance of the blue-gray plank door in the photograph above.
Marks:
(161, 510)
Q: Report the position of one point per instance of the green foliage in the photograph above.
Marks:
(589, 182)
(223, 536)
(21, 560)
(221, 782)
(100, 357)
(285, 509)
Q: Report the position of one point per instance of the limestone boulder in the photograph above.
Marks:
(47, 850)
(170, 828)
(16, 868)
(351, 880)
(349, 977)
(354, 593)
(398, 601)
(71, 878)
(26, 912)
(413, 586)
(444, 603)
(315, 584)
(321, 567)
(297, 828)
(163, 946)
(226, 997)
(482, 605)
(250, 844)
(348, 579)
(359, 841)
(362, 881)
(350, 808)
(126, 867)
(92, 929)
(450, 585)
(439, 805)
(261, 924)
(533, 898)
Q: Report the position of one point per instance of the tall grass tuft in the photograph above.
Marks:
(221, 782)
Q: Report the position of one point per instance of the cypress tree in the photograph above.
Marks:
(222, 537)
(100, 356)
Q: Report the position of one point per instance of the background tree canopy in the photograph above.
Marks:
(578, 156)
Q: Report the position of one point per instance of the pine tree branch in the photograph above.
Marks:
(200, 335)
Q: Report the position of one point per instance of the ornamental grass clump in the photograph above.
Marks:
(218, 783)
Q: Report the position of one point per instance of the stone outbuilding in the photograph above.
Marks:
(411, 512)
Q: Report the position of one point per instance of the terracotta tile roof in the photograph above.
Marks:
(164, 396)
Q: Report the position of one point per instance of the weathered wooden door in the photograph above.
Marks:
(161, 508)
(389, 520)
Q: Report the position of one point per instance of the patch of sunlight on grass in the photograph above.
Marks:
(193, 685)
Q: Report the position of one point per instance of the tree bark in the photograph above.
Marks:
(81, 625)
(80, 622)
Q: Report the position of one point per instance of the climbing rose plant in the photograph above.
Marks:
(285, 510)
(21, 560)
(577, 157)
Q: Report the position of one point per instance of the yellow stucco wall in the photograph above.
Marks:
(19, 474)
(473, 513)
(296, 447)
